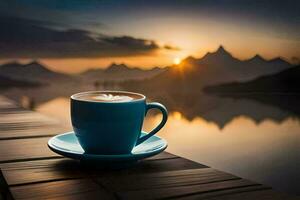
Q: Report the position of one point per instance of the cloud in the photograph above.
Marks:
(170, 47)
(24, 38)
(131, 43)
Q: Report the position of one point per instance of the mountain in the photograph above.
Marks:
(286, 81)
(119, 72)
(33, 71)
(36, 72)
(219, 55)
(92, 74)
(192, 74)
(6, 82)
(222, 66)
(281, 90)
(257, 59)
(117, 68)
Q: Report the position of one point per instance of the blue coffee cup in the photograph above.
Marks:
(111, 127)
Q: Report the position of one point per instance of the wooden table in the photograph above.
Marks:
(29, 170)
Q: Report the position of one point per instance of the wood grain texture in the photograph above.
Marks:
(24, 149)
(61, 190)
(245, 193)
(176, 192)
(59, 169)
(161, 180)
(22, 124)
(7, 103)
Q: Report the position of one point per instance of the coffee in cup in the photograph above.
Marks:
(109, 97)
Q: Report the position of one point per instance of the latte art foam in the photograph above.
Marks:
(111, 97)
(107, 96)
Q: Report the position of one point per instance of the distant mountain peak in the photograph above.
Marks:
(257, 57)
(35, 65)
(33, 71)
(279, 60)
(34, 62)
(222, 51)
(189, 59)
(116, 67)
(11, 64)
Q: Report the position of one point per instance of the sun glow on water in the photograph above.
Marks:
(177, 115)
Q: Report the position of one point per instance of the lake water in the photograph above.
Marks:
(250, 138)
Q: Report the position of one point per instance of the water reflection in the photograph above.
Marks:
(223, 110)
(248, 137)
(220, 110)
(268, 152)
(58, 108)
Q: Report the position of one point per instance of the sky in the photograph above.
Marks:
(75, 35)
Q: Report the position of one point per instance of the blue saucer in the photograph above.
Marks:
(67, 145)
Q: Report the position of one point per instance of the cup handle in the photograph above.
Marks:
(162, 108)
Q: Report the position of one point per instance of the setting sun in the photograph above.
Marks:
(177, 61)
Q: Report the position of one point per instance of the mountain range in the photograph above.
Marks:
(280, 90)
(36, 72)
(223, 66)
(33, 72)
(192, 74)
(120, 72)
(286, 81)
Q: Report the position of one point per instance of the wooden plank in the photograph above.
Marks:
(19, 123)
(29, 124)
(165, 165)
(27, 116)
(176, 192)
(161, 180)
(23, 149)
(41, 171)
(163, 155)
(59, 169)
(36, 131)
(31, 148)
(246, 193)
(7, 103)
(219, 194)
(26, 173)
(11, 110)
(68, 189)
